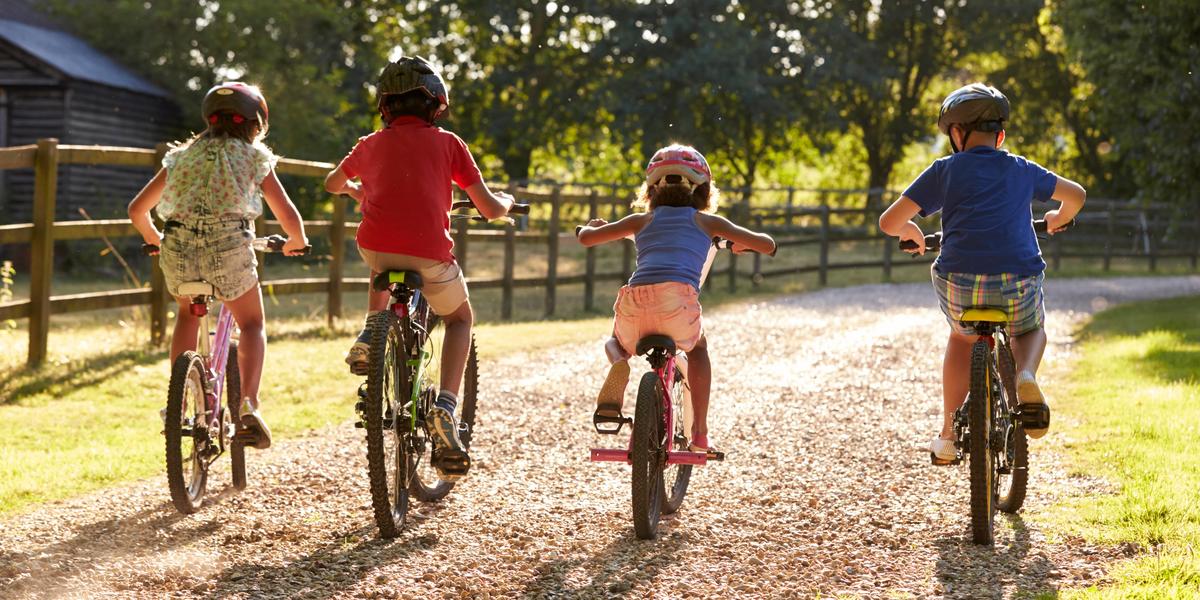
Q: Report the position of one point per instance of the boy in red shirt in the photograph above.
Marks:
(405, 171)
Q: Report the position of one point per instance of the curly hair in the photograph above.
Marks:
(225, 126)
(705, 198)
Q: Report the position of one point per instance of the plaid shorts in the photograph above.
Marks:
(1019, 296)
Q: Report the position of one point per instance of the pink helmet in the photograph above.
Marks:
(678, 159)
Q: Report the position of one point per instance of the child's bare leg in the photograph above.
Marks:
(376, 301)
(1028, 349)
(614, 351)
(456, 346)
(247, 310)
(699, 379)
(186, 327)
(956, 378)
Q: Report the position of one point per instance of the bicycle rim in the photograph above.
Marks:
(982, 468)
(1011, 487)
(233, 392)
(427, 483)
(186, 433)
(676, 477)
(647, 457)
(385, 450)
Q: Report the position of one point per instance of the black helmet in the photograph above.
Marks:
(236, 97)
(977, 107)
(413, 73)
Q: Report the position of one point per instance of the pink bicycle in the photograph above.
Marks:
(198, 428)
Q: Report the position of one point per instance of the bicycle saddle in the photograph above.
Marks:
(651, 342)
(984, 315)
(410, 279)
(192, 289)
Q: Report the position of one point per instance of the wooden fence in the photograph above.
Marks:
(1113, 230)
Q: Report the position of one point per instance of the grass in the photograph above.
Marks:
(1136, 388)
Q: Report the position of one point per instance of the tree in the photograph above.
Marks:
(881, 56)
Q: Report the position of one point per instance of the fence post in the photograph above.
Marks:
(589, 280)
(461, 239)
(510, 247)
(158, 282)
(756, 277)
(743, 210)
(41, 259)
(1151, 247)
(1196, 242)
(887, 259)
(791, 196)
(337, 257)
(552, 251)
(1108, 237)
(823, 272)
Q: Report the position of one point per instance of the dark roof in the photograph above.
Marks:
(74, 57)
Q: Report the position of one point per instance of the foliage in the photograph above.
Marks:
(1141, 62)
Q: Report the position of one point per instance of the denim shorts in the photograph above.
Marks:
(1018, 295)
(218, 252)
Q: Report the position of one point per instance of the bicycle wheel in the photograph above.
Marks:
(386, 451)
(426, 482)
(186, 432)
(649, 436)
(983, 480)
(1012, 485)
(233, 393)
(676, 477)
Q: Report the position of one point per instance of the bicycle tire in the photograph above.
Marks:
(233, 393)
(187, 381)
(430, 487)
(982, 468)
(389, 499)
(646, 457)
(1012, 493)
(678, 475)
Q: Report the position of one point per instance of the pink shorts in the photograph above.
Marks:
(670, 309)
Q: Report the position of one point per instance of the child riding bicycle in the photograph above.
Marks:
(405, 170)
(990, 254)
(672, 238)
(209, 191)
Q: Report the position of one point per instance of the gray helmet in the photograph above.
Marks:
(977, 107)
(413, 73)
(238, 98)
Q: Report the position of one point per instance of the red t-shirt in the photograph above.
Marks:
(406, 169)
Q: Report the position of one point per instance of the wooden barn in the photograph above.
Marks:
(53, 84)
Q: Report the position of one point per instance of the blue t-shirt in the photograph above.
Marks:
(985, 196)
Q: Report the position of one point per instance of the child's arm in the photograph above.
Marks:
(897, 221)
(492, 205)
(599, 231)
(285, 211)
(139, 208)
(336, 182)
(1072, 196)
(743, 239)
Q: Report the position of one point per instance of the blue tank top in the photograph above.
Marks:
(670, 248)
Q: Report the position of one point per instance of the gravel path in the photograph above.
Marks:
(824, 402)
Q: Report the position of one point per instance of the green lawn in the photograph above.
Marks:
(1136, 390)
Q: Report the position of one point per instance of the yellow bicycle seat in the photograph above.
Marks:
(988, 315)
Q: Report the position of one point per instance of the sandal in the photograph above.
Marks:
(253, 426)
(612, 398)
(701, 444)
(1034, 412)
(942, 452)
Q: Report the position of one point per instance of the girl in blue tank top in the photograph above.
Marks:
(673, 238)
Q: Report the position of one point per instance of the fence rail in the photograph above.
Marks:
(1150, 232)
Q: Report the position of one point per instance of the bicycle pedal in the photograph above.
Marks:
(941, 462)
(451, 462)
(605, 424)
(715, 455)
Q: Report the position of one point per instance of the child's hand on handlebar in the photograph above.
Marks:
(295, 246)
(912, 233)
(1055, 222)
(507, 199)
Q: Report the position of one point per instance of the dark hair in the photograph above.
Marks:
(704, 198)
(413, 103)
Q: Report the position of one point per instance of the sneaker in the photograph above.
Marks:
(1034, 408)
(253, 424)
(357, 358)
(452, 460)
(942, 451)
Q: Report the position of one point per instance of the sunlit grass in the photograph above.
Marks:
(1136, 389)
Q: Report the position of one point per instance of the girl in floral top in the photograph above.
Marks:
(209, 192)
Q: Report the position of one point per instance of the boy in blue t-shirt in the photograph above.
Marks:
(990, 254)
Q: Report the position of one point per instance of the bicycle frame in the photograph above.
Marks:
(666, 374)
(214, 353)
(403, 311)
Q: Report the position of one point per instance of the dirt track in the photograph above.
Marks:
(824, 402)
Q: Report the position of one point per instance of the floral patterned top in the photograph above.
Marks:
(217, 177)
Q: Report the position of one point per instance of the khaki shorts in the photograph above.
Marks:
(671, 309)
(443, 284)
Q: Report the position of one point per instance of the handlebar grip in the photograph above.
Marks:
(462, 204)
(933, 242)
(1040, 226)
(150, 249)
(274, 243)
(578, 228)
(519, 209)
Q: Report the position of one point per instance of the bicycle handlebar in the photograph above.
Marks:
(725, 244)
(517, 209)
(933, 241)
(269, 244)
